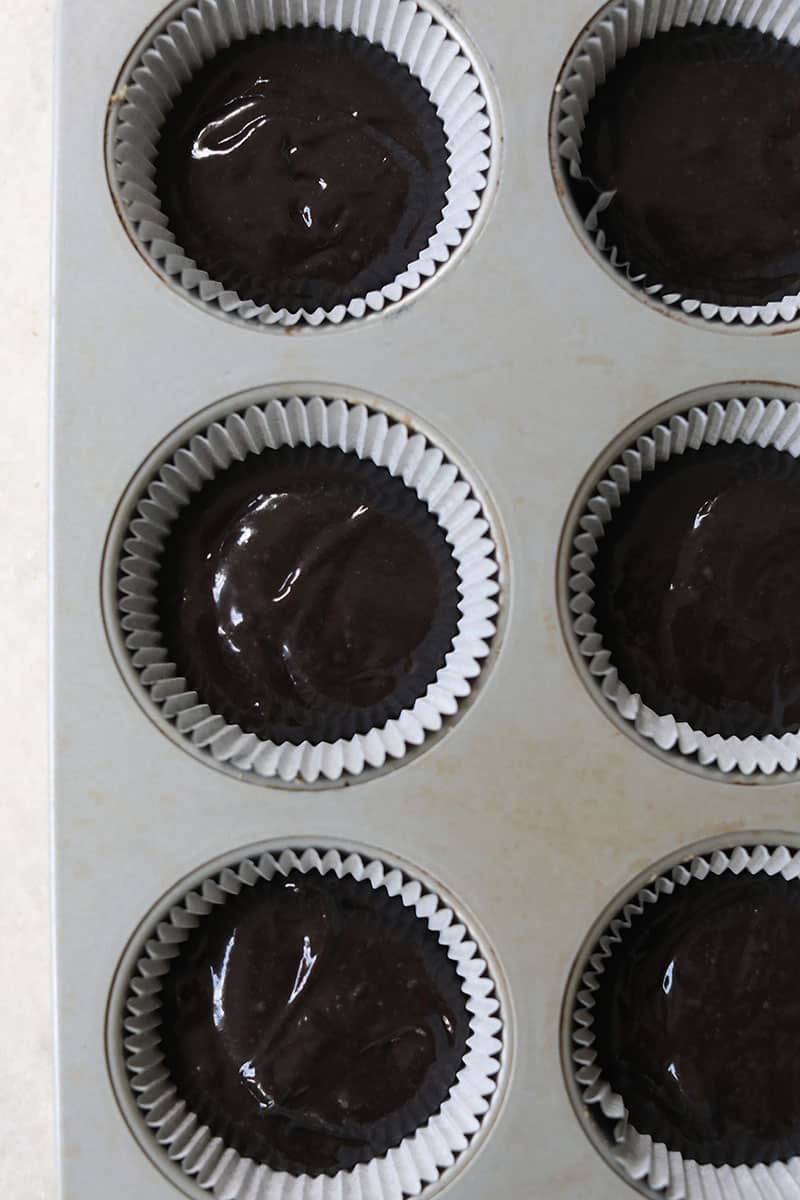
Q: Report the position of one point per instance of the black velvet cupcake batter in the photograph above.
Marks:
(697, 590)
(303, 167)
(697, 1020)
(313, 1022)
(697, 131)
(306, 594)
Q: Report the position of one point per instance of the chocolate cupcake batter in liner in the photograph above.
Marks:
(685, 586)
(680, 141)
(308, 590)
(330, 208)
(332, 1106)
(684, 1027)
(288, 167)
(286, 657)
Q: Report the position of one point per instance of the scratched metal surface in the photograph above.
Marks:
(536, 810)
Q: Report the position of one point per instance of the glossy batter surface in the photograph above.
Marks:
(698, 590)
(698, 133)
(307, 594)
(698, 1020)
(313, 1022)
(303, 166)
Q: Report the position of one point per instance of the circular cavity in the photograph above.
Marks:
(177, 1141)
(343, 740)
(174, 50)
(650, 1167)
(620, 26)
(709, 417)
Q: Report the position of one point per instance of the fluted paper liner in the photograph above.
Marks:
(420, 1158)
(170, 54)
(621, 27)
(404, 454)
(642, 1159)
(755, 422)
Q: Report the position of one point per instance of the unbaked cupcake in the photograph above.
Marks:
(686, 1014)
(679, 133)
(308, 595)
(684, 583)
(697, 590)
(302, 167)
(284, 168)
(305, 588)
(313, 1023)
(309, 1022)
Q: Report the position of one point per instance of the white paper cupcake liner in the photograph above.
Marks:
(620, 27)
(653, 1163)
(406, 1170)
(405, 454)
(169, 55)
(754, 422)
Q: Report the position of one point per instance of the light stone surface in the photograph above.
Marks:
(26, 1155)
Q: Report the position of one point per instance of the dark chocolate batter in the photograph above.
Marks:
(303, 166)
(698, 590)
(313, 1022)
(698, 1020)
(698, 132)
(307, 594)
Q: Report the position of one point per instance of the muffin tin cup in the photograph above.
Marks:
(753, 422)
(619, 28)
(170, 1127)
(352, 428)
(640, 1159)
(189, 36)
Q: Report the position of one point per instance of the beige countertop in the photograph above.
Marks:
(26, 1157)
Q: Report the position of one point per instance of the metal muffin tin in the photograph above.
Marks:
(535, 810)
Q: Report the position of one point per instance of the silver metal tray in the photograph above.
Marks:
(536, 809)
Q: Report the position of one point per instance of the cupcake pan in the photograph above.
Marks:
(524, 362)
(619, 27)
